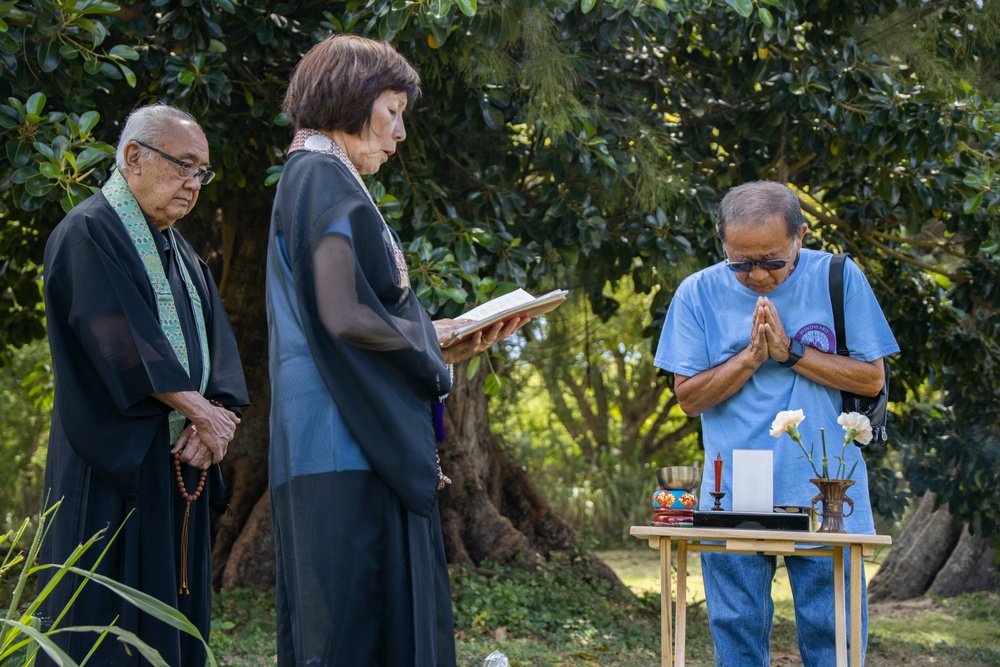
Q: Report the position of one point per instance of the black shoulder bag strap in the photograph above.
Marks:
(837, 300)
(872, 407)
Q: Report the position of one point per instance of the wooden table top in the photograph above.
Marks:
(802, 536)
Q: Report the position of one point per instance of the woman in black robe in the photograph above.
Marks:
(356, 370)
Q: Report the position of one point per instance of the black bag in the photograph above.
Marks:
(873, 407)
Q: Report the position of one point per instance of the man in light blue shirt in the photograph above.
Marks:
(745, 339)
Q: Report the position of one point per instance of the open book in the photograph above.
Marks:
(513, 304)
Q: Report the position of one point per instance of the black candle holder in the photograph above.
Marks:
(718, 500)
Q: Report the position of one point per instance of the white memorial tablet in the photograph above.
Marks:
(753, 480)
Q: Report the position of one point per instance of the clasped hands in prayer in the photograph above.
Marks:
(767, 333)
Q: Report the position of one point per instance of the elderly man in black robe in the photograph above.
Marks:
(149, 387)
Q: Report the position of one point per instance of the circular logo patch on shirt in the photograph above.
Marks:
(818, 336)
(318, 142)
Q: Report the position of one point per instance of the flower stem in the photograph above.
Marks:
(822, 438)
(798, 441)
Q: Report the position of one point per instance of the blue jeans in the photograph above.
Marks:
(740, 609)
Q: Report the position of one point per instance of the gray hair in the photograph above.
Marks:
(147, 124)
(753, 203)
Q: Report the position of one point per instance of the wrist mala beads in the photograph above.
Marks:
(188, 499)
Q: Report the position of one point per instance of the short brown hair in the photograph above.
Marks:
(336, 84)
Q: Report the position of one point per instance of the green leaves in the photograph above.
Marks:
(21, 629)
(48, 56)
(128, 74)
(972, 203)
(741, 7)
(765, 17)
(273, 175)
(18, 153)
(96, 7)
(87, 122)
(123, 51)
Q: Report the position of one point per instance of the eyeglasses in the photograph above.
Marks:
(186, 170)
(766, 264)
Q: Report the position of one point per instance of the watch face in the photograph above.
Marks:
(795, 351)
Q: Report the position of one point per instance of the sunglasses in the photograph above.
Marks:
(766, 264)
(186, 170)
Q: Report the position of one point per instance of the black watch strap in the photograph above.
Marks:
(795, 352)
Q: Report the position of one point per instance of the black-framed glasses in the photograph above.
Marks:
(186, 170)
(766, 264)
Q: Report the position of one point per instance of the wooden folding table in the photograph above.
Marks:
(765, 542)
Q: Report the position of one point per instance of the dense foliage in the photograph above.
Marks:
(579, 143)
(25, 403)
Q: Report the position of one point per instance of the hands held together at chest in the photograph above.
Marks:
(206, 439)
(767, 334)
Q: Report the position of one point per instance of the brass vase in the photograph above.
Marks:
(833, 495)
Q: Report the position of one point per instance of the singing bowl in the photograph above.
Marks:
(679, 477)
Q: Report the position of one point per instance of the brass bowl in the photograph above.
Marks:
(679, 477)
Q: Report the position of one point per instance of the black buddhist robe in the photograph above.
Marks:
(109, 451)
(362, 577)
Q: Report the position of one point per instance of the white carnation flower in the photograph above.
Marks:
(791, 419)
(857, 422)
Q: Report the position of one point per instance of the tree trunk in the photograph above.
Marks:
(491, 510)
(971, 567)
(244, 233)
(251, 559)
(934, 554)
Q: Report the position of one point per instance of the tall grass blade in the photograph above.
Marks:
(57, 654)
(36, 544)
(23, 637)
(150, 605)
(124, 636)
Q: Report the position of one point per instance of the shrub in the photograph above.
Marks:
(21, 633)
(565, 600)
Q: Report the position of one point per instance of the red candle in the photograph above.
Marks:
(718, 473)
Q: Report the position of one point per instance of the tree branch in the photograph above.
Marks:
(911, 260)
(943, 246)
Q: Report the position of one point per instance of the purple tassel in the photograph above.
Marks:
(437, 411)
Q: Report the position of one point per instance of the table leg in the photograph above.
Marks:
(839, 613)
(666, 644)
(856, 563)
(680, 628)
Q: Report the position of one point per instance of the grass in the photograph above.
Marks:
(564, 616)
(243, 630)
(963, 631)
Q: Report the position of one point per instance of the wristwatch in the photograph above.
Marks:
(795, 352)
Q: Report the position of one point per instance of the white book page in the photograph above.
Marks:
(497, 305)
